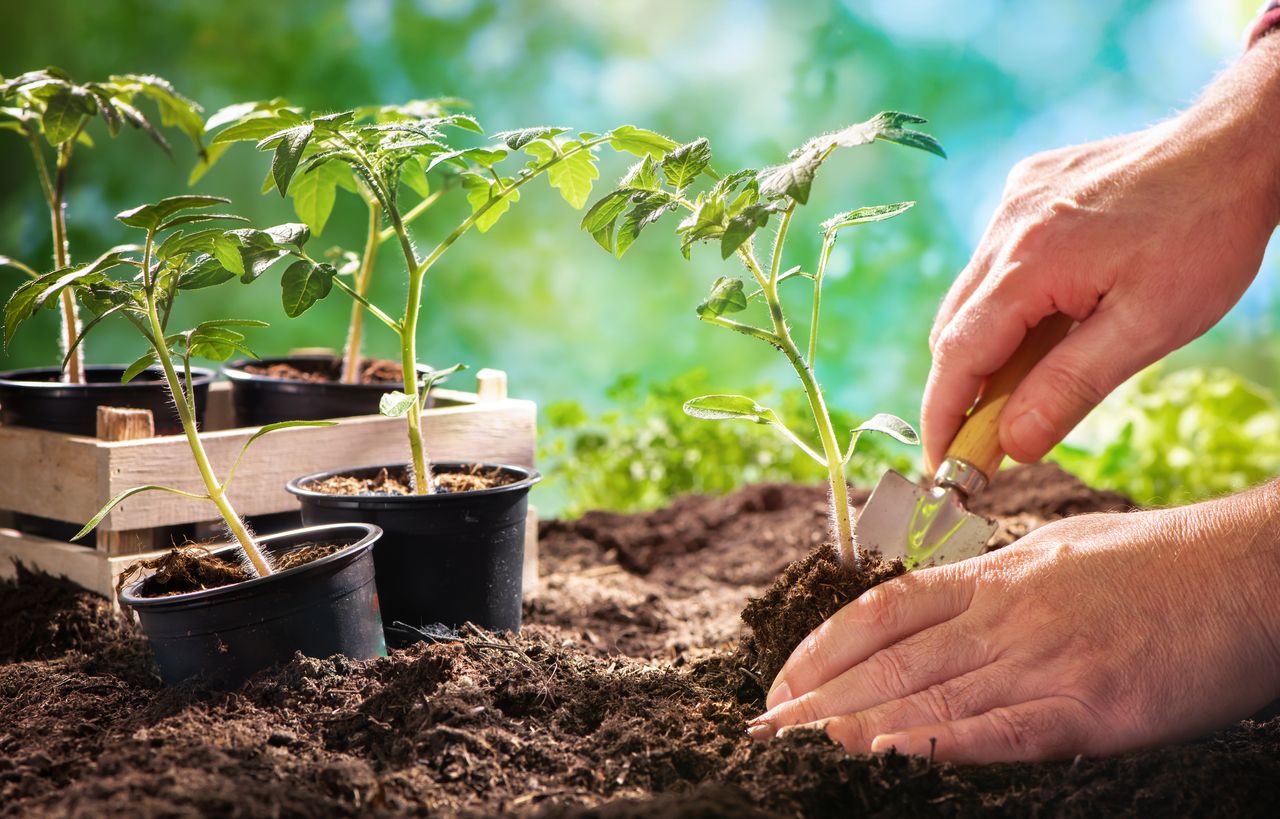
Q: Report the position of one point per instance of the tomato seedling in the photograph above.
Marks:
(730, 212)
(51, 111)
(385, 147)
(168, 263)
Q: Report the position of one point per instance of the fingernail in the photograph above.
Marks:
(1031, 434)
(779, 693)
(884, 743)
(760, 731)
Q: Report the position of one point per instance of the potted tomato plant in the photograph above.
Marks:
(319, 385)
(454, 532)
(51, 113)
(729, 213)
(222, 611)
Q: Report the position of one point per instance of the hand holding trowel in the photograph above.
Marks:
(931, 525)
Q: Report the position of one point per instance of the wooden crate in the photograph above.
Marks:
(69, 478)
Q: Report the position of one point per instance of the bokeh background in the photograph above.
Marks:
(998, 79)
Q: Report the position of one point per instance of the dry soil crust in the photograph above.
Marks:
(613, 702)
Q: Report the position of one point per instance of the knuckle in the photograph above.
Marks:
(941, 703)
(880, 604)
(889, 674)
(1074, 384)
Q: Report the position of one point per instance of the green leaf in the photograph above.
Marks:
(193, 218)
(256, 126)
(433, 377)
(175, 109)
(135, 369)
(888, 125)
(515, 140)
(205, 273)
(649, 207)
(706, 222)
(216, 343)
(395, 404)
(890, 425)
(315, 190)
(125, 495)
(729, 407)
(726, 296)
(20, 306)
(150, 217)
(479, 192)
(288, 151)
(875, 213)
(604, 212)
(65, 113)
(640, 141)
(227, 251)
(414, 175)
(303, 284)
(573, 176)
(290, 233)
(794, 178)
(642, 175)
(682, 165)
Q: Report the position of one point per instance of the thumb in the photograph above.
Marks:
(1094, 359)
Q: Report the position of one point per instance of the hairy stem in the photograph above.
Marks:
(364, 277)
(184, 402)
(73, 372)
(420, 464)
(842, 521)
(828, 242)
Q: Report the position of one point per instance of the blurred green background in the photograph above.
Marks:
(998, 79)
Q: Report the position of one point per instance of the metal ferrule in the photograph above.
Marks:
(961, 475)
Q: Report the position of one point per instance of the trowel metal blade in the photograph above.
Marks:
(923, 526)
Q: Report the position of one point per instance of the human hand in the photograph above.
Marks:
(1095, 634)
(1146, 239)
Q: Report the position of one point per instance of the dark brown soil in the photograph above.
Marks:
(193, 568)
(619, 699)
(326, 371)
(396, 482)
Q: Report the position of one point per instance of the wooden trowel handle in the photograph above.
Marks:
(978, 441)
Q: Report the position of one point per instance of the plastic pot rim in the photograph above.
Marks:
(200, 376)
(234, 371)
(370, 533)
(529, 477)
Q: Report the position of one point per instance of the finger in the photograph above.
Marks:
(1094, 359)
(961, 289)
(943, 655)
(882, 616)
(981, 337)
(960, 697)
(1049, 728)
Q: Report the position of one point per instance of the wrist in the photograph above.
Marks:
(1233, 130)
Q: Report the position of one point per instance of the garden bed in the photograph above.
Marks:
(617, 697)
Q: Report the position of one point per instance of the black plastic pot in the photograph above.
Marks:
(261, 399)
(449, 558)
(325, 607)
(38, 398)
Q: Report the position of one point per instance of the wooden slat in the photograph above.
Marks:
(50, 474)
(125, 424)
(82, 565)
(500, 431)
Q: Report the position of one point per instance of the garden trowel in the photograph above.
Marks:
(931, 525)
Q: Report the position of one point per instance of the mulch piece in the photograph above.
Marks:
(624, 696)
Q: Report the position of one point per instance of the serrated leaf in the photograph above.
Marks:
(518, 139)
(609, 208)
(874, 213)
(479, 192)
(227, 251)
(573, 176)
(888, 125)
(193, 218)
(640, 141)
(642, 175)
(414, 175)
(793, 178)
(395, 404)
(303, 284)
(726, 296)
(207, 272)
(729, 408)
(314, 192)
(290, 233)
(648, 208)
(256, 126)
(742, 226)
(135, 369)
(683, 164)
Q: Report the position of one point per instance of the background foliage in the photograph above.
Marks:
(997, 79)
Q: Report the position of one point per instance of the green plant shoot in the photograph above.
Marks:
(406, 149)
(314, 194)
(730, 212)
(51, 112)
(171, 261)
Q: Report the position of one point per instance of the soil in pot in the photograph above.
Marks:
(601, 706)
(450, 557)
(306, 388)
(206, 614)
